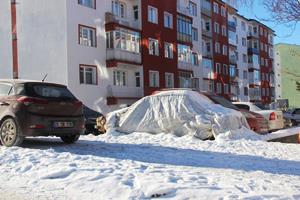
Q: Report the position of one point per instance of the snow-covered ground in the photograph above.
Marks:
(143, 166)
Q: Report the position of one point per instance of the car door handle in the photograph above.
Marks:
(4, 104)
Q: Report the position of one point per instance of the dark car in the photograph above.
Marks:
(29, 108)
(91, 117)
(256, 121)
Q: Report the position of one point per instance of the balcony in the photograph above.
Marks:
(253, 51)
(125, 92)
(111, 18)
(183, 10)
(206, 33)
(186, 66)
(253, 81)
(206, 8)
(252, 34)
(232, 25)
(192, 83)
(233, 60)
(118, 55)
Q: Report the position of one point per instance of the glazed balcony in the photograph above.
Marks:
(110, 18)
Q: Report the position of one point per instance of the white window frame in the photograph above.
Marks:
(120, 78)
(87, 36)
(168, 20)
(84, 70)
(154, 83)
(169, 49)
(152, 15)
(169, 80)
(153, 43)
(216, 8)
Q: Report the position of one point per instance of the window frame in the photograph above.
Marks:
(148, 15)
(79, 35)
(84, 79)
(94, 4)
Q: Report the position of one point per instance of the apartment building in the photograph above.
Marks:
(112, 53)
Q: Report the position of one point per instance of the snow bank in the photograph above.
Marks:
(178, 112)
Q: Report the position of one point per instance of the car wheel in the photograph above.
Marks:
(294, 123)
(70, 139)
(10, 134)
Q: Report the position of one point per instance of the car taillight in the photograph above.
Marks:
(78, 103)
(30, 100)
(272, 116)
(37, 126)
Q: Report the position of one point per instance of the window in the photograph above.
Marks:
(169, 77)
(88, 3)
(168, 50)
(137, 79)
(246, 91)
(225, 69)
(244, 42)
(216, 8)
(168, 20)
(184, 29)
(245, 60)
(153, 47)
(261, 46)
(261, 31)
(87, 36)
(245, 75)
(120, 78)
(88, 74)
(243, 26)
(223, 11)
(224, 31)
(218, 68)
(262, 61)
(136, 13)
(152, 15)
(5, 89)
(219, 88)
(266, 62)
(192, 9)
(232, 71)
(226, 89)
(217, 28)
(154, 78)
(195, 34)
(123, 39)
(207, 26)
(224, 50)
(266, 48)
(185, 54)
(118, 8)
(217, 47)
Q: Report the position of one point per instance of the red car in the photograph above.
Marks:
(256, 121)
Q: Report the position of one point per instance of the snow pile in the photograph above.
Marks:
(146, 166)
(178, 112)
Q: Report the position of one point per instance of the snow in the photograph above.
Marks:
(179, 112)
(145, 166)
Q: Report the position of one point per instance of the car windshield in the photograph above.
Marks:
(261, 106)
(48, 91)
(224, 102)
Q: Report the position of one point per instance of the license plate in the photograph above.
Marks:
(63, 124)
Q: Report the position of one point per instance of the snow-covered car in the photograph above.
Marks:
(180, 112)
(293, 115)
(274, 117)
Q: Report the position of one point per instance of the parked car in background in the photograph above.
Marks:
(31, 108)
(293, 115)
(256, 121)
(274, 117)
(91, 117)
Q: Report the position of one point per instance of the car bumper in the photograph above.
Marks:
(27, 121)
(276, 125)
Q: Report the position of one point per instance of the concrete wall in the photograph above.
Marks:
(6, 69)
(41, 26)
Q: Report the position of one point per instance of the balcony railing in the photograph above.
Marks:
(232, 25)
(206, 8)
(186, 65)
(125, 92)
(253, 50)
(252, 34)
(122, 55)
(111, 18)
(233, 60)
(206, 33)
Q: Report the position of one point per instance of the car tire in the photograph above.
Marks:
(70, 139)
(10, 133)
(294, 123)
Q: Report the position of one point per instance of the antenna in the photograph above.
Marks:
(44, 77)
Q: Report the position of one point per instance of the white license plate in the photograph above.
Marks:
(63, 124)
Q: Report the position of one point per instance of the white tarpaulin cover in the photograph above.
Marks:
(180, 112)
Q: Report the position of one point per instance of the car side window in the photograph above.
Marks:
(5, 89)
(242, 106)
(297, 112)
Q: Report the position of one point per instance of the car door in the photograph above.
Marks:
(296, 115)
(5, 90)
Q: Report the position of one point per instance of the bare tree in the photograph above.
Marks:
(282, 11)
